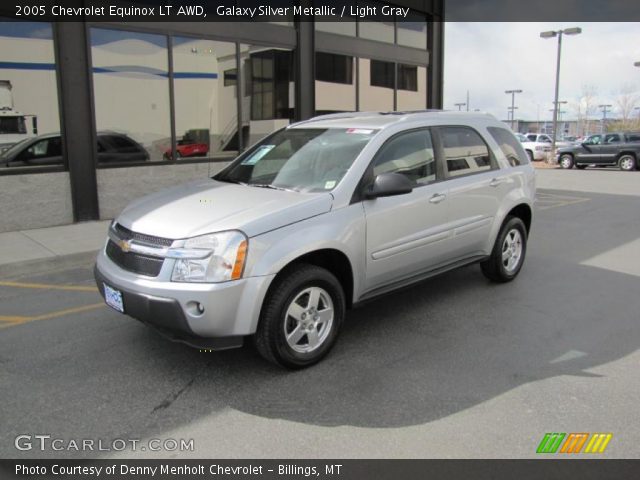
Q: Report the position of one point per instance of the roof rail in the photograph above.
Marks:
(331, 116)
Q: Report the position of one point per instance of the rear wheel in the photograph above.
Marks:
(301, 317)
(627, 163)
(508, 252)
(566, 161)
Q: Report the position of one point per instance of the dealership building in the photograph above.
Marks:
(109, 112)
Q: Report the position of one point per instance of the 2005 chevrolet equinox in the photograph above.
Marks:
(314, 219)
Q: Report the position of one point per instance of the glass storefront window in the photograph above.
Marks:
(335, 83)
(131, 93)
(375, 85)
(412, 87)
(205, 94)
(267, 91)
(412, 31)
(29, 114)
(375, 30)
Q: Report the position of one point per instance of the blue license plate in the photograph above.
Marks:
(113, 298)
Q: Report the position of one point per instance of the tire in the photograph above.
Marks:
(530, 155)
(627, 163)
(581, 167)
(498, 267)
(289, 309)
(566, 161)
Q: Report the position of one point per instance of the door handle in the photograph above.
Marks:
(497, 181)
(437, 198)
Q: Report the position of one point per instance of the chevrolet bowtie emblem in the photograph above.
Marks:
(125, 245)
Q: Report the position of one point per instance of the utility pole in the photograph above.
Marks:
(605, 109)
(467, 100)
(513, 106)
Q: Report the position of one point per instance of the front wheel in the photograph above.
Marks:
(508, 252)
(627, 163)
(301, 317)
(566, 161)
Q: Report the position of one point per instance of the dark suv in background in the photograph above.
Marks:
(620, 149)
(47, 150)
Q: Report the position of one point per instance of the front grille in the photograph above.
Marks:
(126, 234)
(134, 262)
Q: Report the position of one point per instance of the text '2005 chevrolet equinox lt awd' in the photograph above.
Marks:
(315, 218)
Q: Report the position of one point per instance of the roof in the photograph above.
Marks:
(384, 119)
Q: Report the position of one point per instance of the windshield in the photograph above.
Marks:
(521, 137)
(16, 147)
(299, 159)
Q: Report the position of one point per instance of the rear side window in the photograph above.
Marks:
(509, 145)
(464, 151)
(633, 137)
(410, 154)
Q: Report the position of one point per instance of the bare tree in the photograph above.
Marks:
(626, 101)
(587, 108)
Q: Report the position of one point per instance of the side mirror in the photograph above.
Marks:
(389, 184)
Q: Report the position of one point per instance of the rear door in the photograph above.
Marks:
(476, 188)
(406, 234)
(610, 148)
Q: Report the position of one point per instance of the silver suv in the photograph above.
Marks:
(313, 220)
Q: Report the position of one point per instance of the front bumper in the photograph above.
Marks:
(231, 309)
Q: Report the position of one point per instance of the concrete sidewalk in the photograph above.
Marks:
(41, 249)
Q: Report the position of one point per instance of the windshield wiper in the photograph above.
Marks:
(272, 187)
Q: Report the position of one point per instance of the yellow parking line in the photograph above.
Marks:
(16, 320)
(47, 286)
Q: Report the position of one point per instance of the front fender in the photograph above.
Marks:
(342, 230)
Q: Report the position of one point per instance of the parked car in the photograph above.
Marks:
(535, 150)
(315, 219)
(546, 139)
(621, 149)
(188, 148)
(47, 150)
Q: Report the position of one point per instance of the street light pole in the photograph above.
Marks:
(460, 105)
(513, 105)
(604, 116)
(551, 34)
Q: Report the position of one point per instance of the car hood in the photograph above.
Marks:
(206, 206)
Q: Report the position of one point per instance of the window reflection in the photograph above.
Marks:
(205, 92)
(268, 91)
(131, 89)
(28, 94)
(335, 83)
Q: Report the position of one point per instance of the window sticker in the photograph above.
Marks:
(361, 131)
(257, 155)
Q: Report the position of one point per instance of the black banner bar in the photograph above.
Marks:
(547, 469)
(320, 10)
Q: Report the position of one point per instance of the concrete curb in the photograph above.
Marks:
(46, 265)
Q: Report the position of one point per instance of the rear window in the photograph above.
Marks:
(509, 145)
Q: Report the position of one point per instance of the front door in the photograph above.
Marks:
(406, 234)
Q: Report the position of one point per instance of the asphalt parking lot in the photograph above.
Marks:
(452, 367)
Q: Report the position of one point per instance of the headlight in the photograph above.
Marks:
(215, 257)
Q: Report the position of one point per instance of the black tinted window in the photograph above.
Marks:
(633, 137)
(464, 151)
(509, 145)
(334, 68)
(381, 74)
(410, 154)
(612, 138)
(121, 144)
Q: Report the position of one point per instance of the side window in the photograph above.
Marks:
(633, 137)
(532, 138)
(612, 138)
(509, 145)
(464, 151)
(544, 139)
(410, 154)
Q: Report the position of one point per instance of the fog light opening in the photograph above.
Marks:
(195, 308)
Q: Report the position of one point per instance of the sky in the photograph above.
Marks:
(488, 58)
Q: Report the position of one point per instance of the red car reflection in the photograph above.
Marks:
(186, 149)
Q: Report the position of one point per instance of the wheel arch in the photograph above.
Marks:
(331, 259)
(523, 212)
